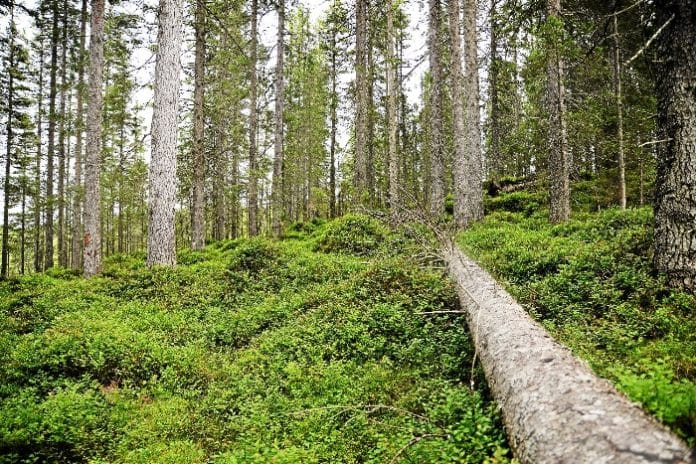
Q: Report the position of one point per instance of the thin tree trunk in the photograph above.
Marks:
(38, 262)
(51, 138)
(8, 159)
(437, 168)
(474, 195)
(334, 122)
(495, 162)
(619, 115)
(198, 209)
(161, 239)
(219, 183)
(392, 118)
(362, 105)
(252, 198)
(559, 165)
(62, 135)
(675, 196)
(77, 232)
(276, 194)
(121, 178)
(93, 149)
(23, 225)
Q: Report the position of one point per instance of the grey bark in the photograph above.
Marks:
(392, 119)
(618, 96)
(161, 240)
(8, 156)
(277, 187)
(495, 163)
(437, 164)
(362, 105)
(48, 256)
(334, 121)
(77, 233)
(62, 135)
(93, 149)
(38, 262)
(198, 207)
(675, 196)
(474, 188)
(252, 197)
(554, 408)
(559, 164)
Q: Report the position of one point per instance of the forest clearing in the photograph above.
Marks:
(332, 231)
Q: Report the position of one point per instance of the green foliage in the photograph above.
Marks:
(590, 282)
(253, 351)
(516, 202)
(352, 234)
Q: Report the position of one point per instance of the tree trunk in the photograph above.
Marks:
(62, 135)
(559, 164)
(675, 196)
(252, 198)
(8, 159)
(362, 105)
(276, 194)
(495, 162)
(334, 120)
(474, 184)
(80, 123)
(392, 118)
(619, 115)
(93, 149)
(161, 240)
(38, 262)
(198, 209)
(51, 138)
(554, 408)
(437, 168)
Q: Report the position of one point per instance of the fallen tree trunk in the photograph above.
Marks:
(554, 408)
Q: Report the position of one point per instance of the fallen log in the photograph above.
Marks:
(554, 408)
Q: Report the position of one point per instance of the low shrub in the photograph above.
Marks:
(351, 234)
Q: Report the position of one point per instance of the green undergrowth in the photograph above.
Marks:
(590, 283)
(304, 350)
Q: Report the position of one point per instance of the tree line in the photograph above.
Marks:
(597, 96)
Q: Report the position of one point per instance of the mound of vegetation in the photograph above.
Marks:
(251, 352)
(590, 283)
(351, 234)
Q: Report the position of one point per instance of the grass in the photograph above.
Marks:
(304, 350)
(590, 283)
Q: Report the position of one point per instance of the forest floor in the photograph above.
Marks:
(309, 349)
(590, 283)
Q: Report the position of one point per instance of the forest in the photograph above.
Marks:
(348, 231)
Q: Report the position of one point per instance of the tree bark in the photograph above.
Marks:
(619, 115)
(675, 196)
(437, 164)
(334, 120)
(79, 126)
(161, 239)
(474, 184)
(559, 164)
(38, 262)
(252, 198)
(392, 118)
(198, 208)
(276, 193)
(4, 268)
(362, 105)
(495, 162)
(51, 138)
(554, 408)
(62, 135)
(93, 149)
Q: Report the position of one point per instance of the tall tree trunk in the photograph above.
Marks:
(252, 198)
(121, 179)
(675, 196)
(161, 239)
(64, 95)
(51, 138)
(559, 163)
(392, 116)
(219, 182)
(619, 115)
(23, 224)
(495, 162)
(362, 104)
(8, 156)
(276, 194)
(334, 121)
(437, 163)
(38, 261)
(198, 209)
(93, 150)
(77, 233)
(474, 187)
